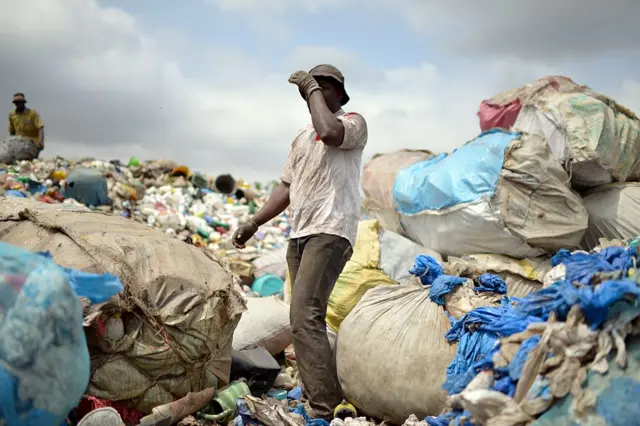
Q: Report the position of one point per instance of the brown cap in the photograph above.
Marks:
(19, 97)
(326, 70)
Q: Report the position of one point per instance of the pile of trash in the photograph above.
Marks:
(555, 169)
(518, 359)
(171, 198)
(491, 286)
(557, 165)
(166, 232)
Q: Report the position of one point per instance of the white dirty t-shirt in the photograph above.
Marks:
(325, 181)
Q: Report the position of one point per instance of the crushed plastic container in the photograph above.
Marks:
(268, 285)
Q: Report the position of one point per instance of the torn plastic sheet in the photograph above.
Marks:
(427, 269)
(98, 288)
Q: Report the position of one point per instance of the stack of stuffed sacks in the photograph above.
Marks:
(545, 358)
(596, 139)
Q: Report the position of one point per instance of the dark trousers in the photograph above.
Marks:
(315, 262)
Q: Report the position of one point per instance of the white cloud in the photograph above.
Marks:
(541, 30)
(629, 95)
(106, 88)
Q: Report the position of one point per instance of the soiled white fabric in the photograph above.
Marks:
(325, 181)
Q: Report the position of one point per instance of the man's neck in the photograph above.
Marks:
(20, 111)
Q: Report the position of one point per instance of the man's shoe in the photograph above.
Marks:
(345, 411)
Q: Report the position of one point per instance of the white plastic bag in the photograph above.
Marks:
(273, 262)
(264, 324)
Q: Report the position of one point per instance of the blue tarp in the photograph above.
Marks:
(87, 186)
(43, 351)
(466, 175)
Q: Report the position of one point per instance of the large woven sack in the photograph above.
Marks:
(392, 356)
(170, 332)
(597, 139)
(613, 213)
(378, 176)
(503, 109)
(265, 324)
(501, 193)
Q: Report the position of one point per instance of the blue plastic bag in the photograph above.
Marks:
(470, 172)
(44, 360)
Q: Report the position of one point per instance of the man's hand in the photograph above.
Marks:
(305, 82)
(244, 233)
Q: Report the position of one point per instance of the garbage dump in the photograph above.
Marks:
(378, 177)
(417, 310)
(170, 332)
(452, 309)
(171, 198)
(44, 359)
(500, 193)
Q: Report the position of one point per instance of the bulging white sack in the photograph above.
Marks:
(501, 193)
(391, 353)
(613, 213)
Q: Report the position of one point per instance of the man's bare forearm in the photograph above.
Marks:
(325, 123)
(278, 201)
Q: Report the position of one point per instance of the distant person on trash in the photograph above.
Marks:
(320, 181)
(26, 122)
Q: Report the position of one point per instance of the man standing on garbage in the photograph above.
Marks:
(320, 182)
(26, 122)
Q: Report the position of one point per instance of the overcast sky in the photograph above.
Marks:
(204, 82)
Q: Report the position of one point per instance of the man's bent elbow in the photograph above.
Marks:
(332, 138)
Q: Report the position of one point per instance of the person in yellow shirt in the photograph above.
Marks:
(26, 122)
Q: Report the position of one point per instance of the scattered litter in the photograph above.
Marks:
(466, 302)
